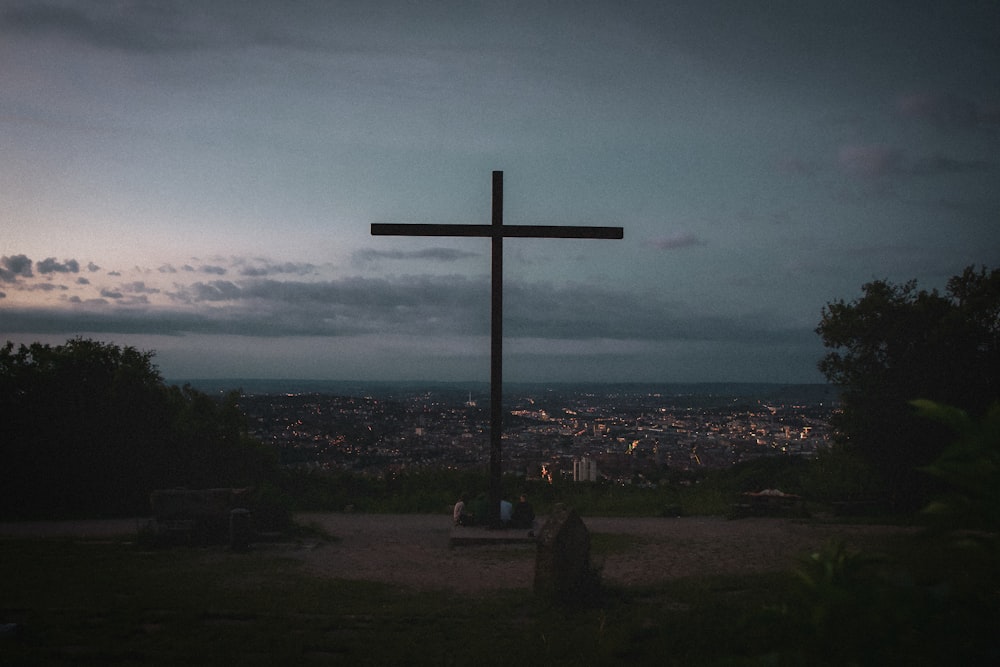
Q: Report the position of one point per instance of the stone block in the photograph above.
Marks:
(196, 515)
(562, 564)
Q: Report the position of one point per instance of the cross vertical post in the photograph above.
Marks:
(496, 231)
(496, 350)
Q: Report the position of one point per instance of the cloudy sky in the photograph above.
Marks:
(199, 179)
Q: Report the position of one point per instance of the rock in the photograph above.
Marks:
(562, 563)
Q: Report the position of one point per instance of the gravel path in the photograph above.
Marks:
(412, 551)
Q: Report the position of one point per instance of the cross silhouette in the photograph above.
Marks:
(496, 232)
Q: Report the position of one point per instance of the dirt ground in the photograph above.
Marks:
(412, 551)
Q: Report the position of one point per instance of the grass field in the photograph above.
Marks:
(927, 601)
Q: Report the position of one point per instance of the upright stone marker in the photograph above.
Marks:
(562, 563)
(496, 232)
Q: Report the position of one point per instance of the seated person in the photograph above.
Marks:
(523, 515)
(459, 515)
(506, 510)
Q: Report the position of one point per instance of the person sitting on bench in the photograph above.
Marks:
(459, 515)
(523, 515)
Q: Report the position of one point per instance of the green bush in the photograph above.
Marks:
(839, 475)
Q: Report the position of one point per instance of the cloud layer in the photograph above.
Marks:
(412, 305)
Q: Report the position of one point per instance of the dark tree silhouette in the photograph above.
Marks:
(896, 344)
(90, 428)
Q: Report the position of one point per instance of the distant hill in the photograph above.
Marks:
(705, 392)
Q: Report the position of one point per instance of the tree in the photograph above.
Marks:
(970, 464)
(896, 344)
(91, 428)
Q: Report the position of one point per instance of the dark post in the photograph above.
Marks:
(496, 352)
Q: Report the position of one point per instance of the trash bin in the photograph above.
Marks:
(240, 529)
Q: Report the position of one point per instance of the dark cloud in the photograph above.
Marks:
(213, 269)
(434, 254)
(51, 265)
(420, 306)
(139, 287)
(579, 312)
(218, 290)
(355, 304)
(153, 27)
(82, 281)
(167, 268)
(552, 328)
(13, 267)
(92, 267)
(266, 269)
(94, 315)
(135, 27)
(45, 287)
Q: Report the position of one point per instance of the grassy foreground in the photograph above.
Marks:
(927, 601)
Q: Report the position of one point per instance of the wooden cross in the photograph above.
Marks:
(496, 232)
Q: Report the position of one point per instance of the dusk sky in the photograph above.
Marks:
(199, 179)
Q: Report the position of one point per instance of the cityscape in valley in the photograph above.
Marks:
(619, 433)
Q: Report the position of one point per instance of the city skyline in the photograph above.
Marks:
(200, 181)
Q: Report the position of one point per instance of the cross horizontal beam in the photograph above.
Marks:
(509, 231)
